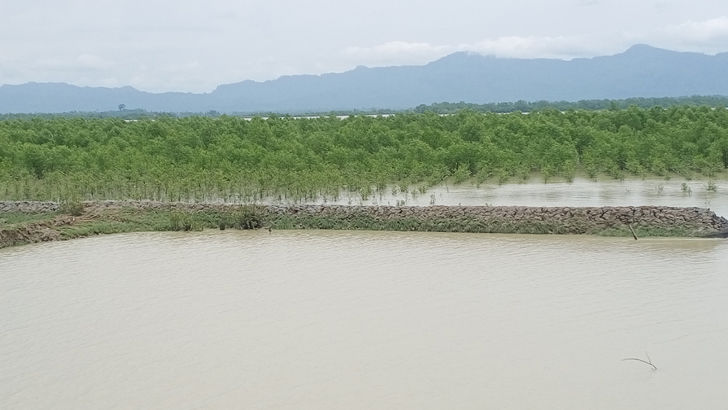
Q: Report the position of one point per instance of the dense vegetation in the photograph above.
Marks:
(202, 158)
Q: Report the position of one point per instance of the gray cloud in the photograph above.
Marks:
(708, 36)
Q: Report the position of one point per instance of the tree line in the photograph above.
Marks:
(713, 101)
(231, 158)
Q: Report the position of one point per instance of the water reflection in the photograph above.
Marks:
(580, 192)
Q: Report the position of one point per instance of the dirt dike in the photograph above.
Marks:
(566, 220)
(34, 232)
(701, 219)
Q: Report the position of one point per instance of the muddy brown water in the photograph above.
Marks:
(580, 192)
(363, 320)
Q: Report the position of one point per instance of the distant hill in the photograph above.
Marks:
(641, 71)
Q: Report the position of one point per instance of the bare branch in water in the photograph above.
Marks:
(633, 234)
(648, 362)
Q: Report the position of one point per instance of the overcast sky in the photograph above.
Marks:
(195, 45)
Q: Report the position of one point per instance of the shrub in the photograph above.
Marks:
(71, 207)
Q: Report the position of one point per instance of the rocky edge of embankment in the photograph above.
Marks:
(119, 216)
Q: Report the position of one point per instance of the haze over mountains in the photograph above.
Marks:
(641, 71)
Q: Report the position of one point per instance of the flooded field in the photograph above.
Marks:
(580, 192)
(364, 320)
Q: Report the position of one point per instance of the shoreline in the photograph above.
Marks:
(24, 222)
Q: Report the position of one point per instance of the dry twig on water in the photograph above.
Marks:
(648, 362)
(634, 235)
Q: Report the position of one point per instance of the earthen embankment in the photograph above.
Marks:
(121, 216)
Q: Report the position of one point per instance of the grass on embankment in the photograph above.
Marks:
(18, 228)
(13, 218)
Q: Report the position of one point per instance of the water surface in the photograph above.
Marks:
(580, 192)
(363, 320)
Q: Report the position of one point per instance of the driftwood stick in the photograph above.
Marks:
(633, 234)
(648, 362)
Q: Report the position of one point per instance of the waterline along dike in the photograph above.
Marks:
(23, 222)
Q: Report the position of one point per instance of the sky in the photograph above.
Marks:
(195, 45)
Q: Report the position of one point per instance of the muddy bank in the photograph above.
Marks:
(33, 232)
(125, 216)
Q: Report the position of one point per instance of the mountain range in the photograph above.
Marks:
(641, 71)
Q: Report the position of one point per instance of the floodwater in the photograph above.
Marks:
(580, 192)
(363, 320)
